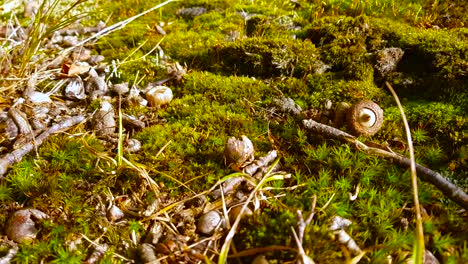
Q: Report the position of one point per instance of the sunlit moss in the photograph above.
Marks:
(240, 56)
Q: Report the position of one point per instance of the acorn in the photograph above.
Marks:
(365, 118)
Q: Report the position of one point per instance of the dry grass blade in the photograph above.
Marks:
(44, 24)
(418, 253)
(144, 174)
(115, 27)
(269, 176)
(219, 182)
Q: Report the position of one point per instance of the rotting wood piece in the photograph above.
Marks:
(16, 156)
(450, 190)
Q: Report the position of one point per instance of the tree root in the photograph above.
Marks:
(449, 189)
(18, 154)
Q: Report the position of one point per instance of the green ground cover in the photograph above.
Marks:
(240, 56)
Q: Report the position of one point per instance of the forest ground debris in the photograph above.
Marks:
(18, 154)
(449, 189)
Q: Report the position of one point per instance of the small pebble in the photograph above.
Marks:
(38, 98)
(260, 259)
(208, 222)
(147, 253)
(104, 120)
(75, 89)
(114, 213)
(132, 145)
(70, 41)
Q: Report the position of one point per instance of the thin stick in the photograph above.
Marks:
(18, 154)
(162, 148)
(302, 224)
(450, 190)
(301, 227)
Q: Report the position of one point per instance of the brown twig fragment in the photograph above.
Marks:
(449, 189)
(301, 225)
(18, 154)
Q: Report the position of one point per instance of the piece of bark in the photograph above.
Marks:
(18, 154)
(449, 189)
(259, 163)
(21, 121)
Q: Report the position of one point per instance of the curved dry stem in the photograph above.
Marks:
(227, 242)
(419, 248)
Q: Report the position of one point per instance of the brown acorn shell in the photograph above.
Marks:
(356, 127)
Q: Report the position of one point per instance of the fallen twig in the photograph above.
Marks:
(301, 226)
(449, 189)
(18, 154)
(10, 254)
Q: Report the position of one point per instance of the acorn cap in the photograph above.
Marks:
(238, 151)
(365, 118)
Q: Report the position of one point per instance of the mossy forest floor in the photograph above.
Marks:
(240, 56)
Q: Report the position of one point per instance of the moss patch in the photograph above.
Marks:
(241, 56)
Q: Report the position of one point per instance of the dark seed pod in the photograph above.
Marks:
(365, 118)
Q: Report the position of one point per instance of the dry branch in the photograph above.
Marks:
(449, 189)
(18, 154)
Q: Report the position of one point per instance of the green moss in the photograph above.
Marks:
(210, 4)
(207, 110)
(342, 39)
(274, 8)
(333, 59)
(270, 228)
(444, 121)
(267, 57)
(334, 87)
(433, 66)
(189, 42)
